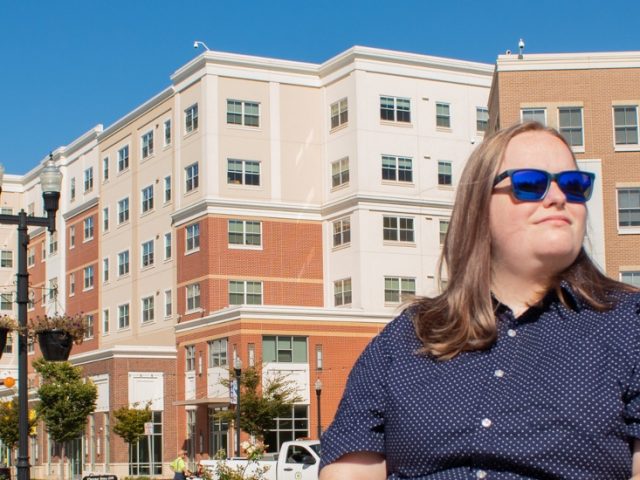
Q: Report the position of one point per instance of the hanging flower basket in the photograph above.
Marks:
(57, 334)
(7, 324)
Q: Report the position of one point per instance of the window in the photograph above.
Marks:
(6, 301)
(53, 243)
(284, 349)
(89, 326)
(397, 169)
(147, 309)
(534, 115)
(190, 358)
(243, 113)
(88, 277)
(72, 284)
(445, 176)
(482, 119)
(31, 257)
(147, 144)
(105, 219)
(629, 207)
(319, 357)
(243, 172)
(72, 190)
(218, 353)
(141, 452)
(398, 229)
(88, 228)
(193, 237)
(105, 321)
(444, 227)
(123, 210)
(105, 270)
(191, 119)
(340, 172)
(626, 125)
(397, 289)
(245, 292)
(167, 246)
(193, 296)
(443, 115)
(123, 158)
(168, 303)
(571, 125)
(339, 113)
(6, 259)
(53, 290)
(632, 278)
(342, 232)
(72, 236)
(167, 132)
(167, 189)
(44, 251)
(123, 263)
(395, 109)
(342, 292)
(105, 169)
(147, 198)
(8, 347)
(88, 179)
(288, 427)
(244, 232)
(147, 253)
(123, 316)
(191, 177)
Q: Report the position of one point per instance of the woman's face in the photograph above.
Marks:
(535, 237)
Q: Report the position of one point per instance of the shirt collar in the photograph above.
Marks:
(572, 298)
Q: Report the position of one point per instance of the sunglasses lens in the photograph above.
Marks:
(577, 186)
(529, 185)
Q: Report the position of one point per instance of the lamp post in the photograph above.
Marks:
(50, 181)
(318, 386)
(238, 371)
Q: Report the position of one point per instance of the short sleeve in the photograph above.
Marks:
(359, 422)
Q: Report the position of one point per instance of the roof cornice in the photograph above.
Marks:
(568, 61)
(125, 351)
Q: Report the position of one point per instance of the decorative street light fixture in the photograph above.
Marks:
(51, 182)
(318, 386)
(238, 372)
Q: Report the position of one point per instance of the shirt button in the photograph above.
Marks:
(481, 474)
(486, 422)
(499, 373)
(511, 332)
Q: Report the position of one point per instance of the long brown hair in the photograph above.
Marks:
(462, 318)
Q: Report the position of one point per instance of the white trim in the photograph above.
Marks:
(568, 61)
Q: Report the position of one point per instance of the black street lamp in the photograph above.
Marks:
(238, 372)
(318, 386)
(50, 181)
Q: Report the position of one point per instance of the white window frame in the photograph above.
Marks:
(398, 229)
(191, 177)
(243, 244)
(6, 258)
(88, 179)
(243, 115)
(72, 237)
(147, 254)
(633, 274)
(124, 316)
(341, 232)
(245, 291)
(340, 173)
(146, 196)
(167, 189)
(395, 109)
(124, 263)
(243, 172)
(89, 324)
(146, 144)
(89, 277)
(123, 158)
(443, 116)
(105, 321)
(166, 132)
(168, 303)
(401, 281)
(147, 309)
(441, 174)
(339, 113)
(191, 119)
(393, 164)
(88, 228)
(193, 298)
(123, 210)
(105, 168)
(481, 112)
(105, 219)
(535, 112)
(72, 189)
(567, 130)
(192, 238)
(105, 270)
(341, 295)
(627, 127)
(168, 246)
(627, 229)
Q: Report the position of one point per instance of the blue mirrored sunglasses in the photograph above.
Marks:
(531, 185)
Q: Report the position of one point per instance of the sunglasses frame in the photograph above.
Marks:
(550, 178)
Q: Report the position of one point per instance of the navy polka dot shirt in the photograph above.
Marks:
(557, 396)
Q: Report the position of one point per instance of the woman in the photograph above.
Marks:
(527, 366)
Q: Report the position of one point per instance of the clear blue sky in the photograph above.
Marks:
(70, 65)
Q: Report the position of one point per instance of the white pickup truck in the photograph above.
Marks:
(297, 460)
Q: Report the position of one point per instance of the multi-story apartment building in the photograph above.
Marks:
(592, 98)
(267, 211)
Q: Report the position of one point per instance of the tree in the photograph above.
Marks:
(9, 423)
(130, 422)
(261, 404)
(65, 401)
